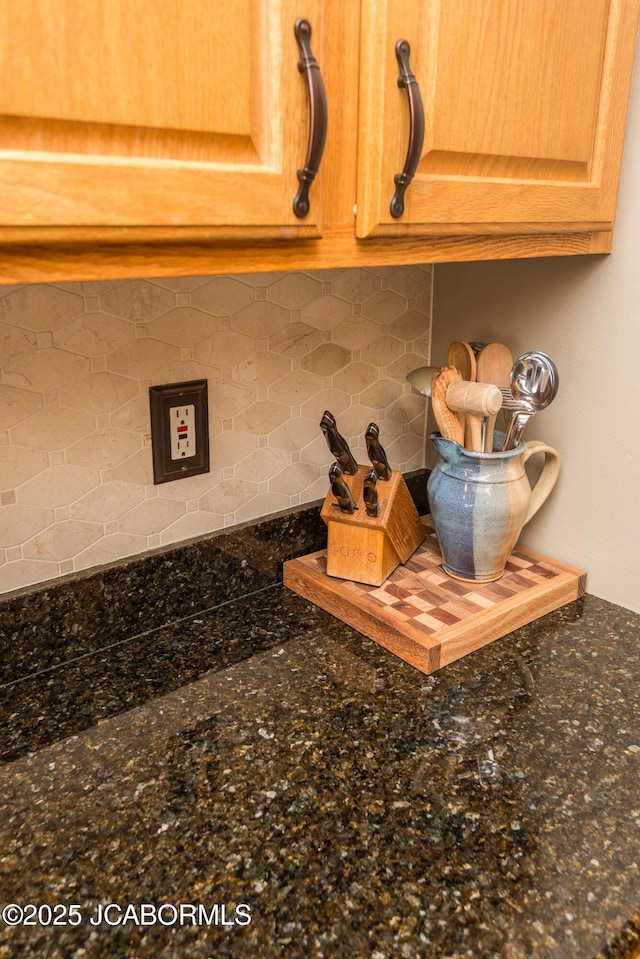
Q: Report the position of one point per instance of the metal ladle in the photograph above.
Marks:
(534, 384)
(422, 378)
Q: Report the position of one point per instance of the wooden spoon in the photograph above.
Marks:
(493, 366)
(461, 356)
(450, 423)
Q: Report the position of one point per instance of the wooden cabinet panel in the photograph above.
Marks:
(525, 105)
(135, 113)
(147, 138)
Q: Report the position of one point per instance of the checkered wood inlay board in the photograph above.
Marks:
(430, 619)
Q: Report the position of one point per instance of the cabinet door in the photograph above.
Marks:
(525, 107)
(154, 113)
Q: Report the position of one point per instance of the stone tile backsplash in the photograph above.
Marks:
(76, 361)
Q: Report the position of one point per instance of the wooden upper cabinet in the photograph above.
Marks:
(154, 114)
(524, 106)
(149, 137)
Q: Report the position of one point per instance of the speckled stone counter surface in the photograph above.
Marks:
(256, 779)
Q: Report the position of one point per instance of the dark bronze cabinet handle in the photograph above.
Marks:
(416, 128)
(317, 117)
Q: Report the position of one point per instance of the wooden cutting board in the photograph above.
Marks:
(430, 619)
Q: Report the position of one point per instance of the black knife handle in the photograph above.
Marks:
(370, 493)
(337, 444)
(376, 453)
(340, 489)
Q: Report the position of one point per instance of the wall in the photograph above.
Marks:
(585, 313)
(76, 361)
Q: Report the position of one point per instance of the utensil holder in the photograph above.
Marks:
(480, 502)
(367, 549)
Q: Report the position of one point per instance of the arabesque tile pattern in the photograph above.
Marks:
(76, 361)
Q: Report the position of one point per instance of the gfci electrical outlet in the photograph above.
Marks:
(179, 430)
(182, 427)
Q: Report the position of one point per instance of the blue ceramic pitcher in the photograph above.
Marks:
(480, 502)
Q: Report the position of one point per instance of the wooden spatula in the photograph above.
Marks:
(450, 423)
(493, 366)
(460, 355)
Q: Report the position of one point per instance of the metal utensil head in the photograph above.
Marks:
(422, 378)
(534, 384)
(534, 380)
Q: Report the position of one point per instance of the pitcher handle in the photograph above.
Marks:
(548, 477)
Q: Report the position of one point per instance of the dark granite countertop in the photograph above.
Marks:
(266, 782)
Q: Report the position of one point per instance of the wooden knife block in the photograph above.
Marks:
(367, 549)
